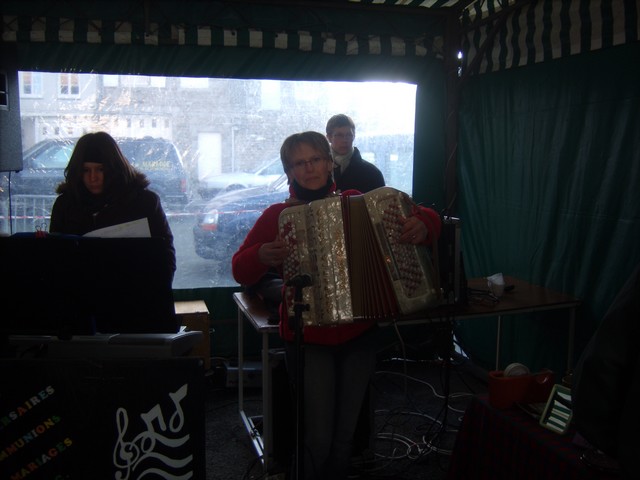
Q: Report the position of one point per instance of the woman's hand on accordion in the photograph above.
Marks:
(273, 253)
(413, 231)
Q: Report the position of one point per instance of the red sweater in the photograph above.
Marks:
(248, 270)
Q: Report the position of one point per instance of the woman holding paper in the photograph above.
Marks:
(102, 189)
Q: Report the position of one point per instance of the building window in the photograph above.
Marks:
(69, 85)
(142, 81)
(191, 82)
(270, 95)
(110, 80)
(159, 82)
(30, 84)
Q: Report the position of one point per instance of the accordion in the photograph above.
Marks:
(359, 270)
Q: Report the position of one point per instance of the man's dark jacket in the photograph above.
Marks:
(359, 175)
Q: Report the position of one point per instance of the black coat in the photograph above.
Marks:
(359, 175)
(70, 216)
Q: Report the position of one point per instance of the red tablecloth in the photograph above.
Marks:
(509, 444)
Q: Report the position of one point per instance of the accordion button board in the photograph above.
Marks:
(350, 247)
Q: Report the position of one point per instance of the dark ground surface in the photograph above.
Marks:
(409, 439)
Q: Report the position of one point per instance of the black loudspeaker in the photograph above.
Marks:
(11, 138)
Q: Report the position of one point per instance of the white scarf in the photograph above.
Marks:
(342, 161)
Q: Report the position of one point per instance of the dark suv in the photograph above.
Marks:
(33, 188)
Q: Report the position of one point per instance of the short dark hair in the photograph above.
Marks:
(314, 139)
(340, 120)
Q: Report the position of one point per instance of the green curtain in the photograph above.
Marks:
(549, 169)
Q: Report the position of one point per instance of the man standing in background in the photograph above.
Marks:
(350, 171)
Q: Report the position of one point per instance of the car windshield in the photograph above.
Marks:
(55, 155)
(279, 183)
(273, 167)
(198, 139)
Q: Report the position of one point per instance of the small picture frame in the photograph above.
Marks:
(557, 413)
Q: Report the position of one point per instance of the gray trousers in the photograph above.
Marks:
(336, 379)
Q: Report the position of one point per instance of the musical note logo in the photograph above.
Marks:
(150, 452)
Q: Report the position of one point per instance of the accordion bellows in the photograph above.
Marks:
(360, 271)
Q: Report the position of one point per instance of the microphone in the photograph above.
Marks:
(301, 280)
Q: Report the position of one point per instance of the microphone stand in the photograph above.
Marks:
(299, 282)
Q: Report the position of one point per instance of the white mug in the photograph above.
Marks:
(496, 284)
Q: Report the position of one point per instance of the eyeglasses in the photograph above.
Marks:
(343, 136)
(300, 165)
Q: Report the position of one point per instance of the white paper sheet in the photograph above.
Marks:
(134, 229)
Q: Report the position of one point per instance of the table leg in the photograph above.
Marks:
(249, 422)
(267, 423)
(498, 334)
(240, 362)
(570, 346)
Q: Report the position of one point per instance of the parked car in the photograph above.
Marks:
(159, 159)
(212, 185)
(224, 221)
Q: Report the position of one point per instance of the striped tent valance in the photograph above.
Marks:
(528, 32)
(62, 30)
(493, 34)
